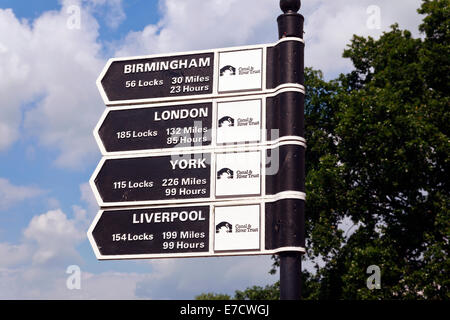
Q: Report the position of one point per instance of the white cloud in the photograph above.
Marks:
(112, 9)
(55, 236)
(67, 63)
(14, 72)
(59, 65)
(11, 255)
(186, 278)
(330, 25)
(109, 10)
(11, 194)
(198, 24)
(35, 268)
(87, 196)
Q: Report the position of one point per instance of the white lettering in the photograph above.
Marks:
(167, 65)
(166, 216)
(188, 164)
(181, 114)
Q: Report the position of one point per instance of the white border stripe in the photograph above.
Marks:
(284, 249)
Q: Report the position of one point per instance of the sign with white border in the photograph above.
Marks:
(185, 230)
(196, 125)
(221, 174)
(187, 75)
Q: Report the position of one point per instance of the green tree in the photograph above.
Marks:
(392, 124)
(212, 296)
(391, 155)
(378, 155)
(269, 292)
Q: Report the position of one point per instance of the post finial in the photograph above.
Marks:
(290, 6)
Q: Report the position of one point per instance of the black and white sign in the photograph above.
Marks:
(257, 172)
(205, 124)
(164, 127)
(192, 230)
(204, 154)
(193, 75)
(153, 231)
(158, 77)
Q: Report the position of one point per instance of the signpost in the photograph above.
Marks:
(290, 24)
(203, 154)
(163, 127)
(202, 124)
(196, 75)
(193, 230)
(200, 176)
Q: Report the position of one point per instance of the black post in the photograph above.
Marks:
(290, 275)
(290, 24)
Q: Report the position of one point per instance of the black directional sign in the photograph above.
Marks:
(179, 75)
(196, 176)
(202, 229)
(154, 178)
(153, 231)
(164, 127)
(198, 74)
(202, 125)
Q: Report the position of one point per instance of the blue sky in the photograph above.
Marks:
(49, 105)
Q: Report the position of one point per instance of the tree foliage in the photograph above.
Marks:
(390, 127)
(269, 292)
(378, 155)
